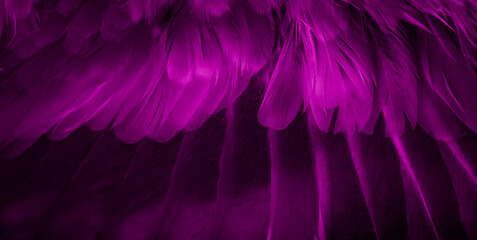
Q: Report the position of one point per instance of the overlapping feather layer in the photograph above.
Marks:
(155, 67)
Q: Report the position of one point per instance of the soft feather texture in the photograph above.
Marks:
(387, 89)
(137, 65)
(234, 179)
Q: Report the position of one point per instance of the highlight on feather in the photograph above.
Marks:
(374, 79)
(217, 54)
(311, 54)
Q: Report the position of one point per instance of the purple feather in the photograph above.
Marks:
(238, 119)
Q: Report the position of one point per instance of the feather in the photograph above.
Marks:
(137, 123)
(194, 176)
(385, 13)
(19, 9)
(65, 7)
(454, 82)
(341, 72)
(115, 22)
(137, 9)
(3, 15)
(340, 199)
(146, 9)
(27, 84)
(417, 188)
(214, 94)
(282, 98)
(243, 194)
(183, 109)
(104, 65)
(340, 82)
(198, 82)
(210, 7)
(447, 79)
(325, 18)
(377, 167)
(127, 80)
(86, 22)
(27, 206)
(98, 180)
(134, 207)
(380, 82)
(259, 40)
(265, 7)
(457, 155)
(397, 71)
(418, 165)
(292, 178)
(435, 117)
(51, 28)
(16, 170)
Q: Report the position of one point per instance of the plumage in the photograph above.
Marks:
(282, 99)
(397, 76)
(380, 180)
(458, 158)
(229, 119)
(417, 165)
(292, 178)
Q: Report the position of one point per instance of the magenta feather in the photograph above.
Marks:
(326, 61)
(458, 155)
(397, 73)
(379, 82)
(282, 98)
